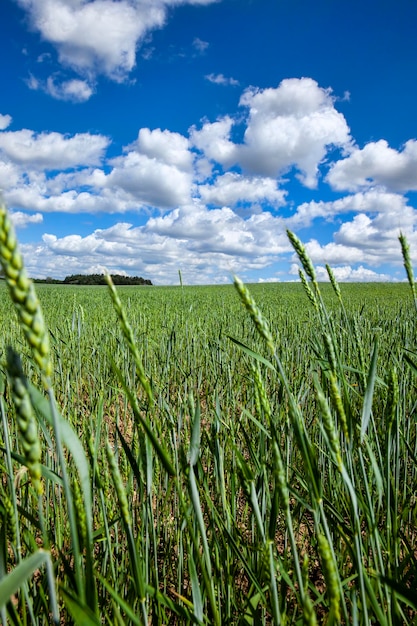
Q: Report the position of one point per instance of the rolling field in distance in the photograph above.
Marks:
(212, 456)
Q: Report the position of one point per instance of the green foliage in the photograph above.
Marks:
(95, 279)
(213, 457)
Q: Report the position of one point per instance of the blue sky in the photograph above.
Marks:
(151, 136)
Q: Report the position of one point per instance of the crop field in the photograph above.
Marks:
(208, 455)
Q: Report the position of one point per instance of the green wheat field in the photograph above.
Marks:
(207, 455)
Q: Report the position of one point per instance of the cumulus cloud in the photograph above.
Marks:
(373, 201)
(33, 197)
(220, 79)
(21, 220)
(381, 230)
(9, 175)
(377, 164)
(274, 279)
(192, 232)
(149, 181)
(71, 244)
(292, 125)
(94, 37)
(165, 146)
(206, 245)
(52, 151)
(334, 253)
(208, 196)
(74, 90)
(99, 36)
(371, 240)
(370, 237)
(5, 121)
(70, 90)
(378, 240)
(232, 188)
(346, 273)
(52, 172)
(222, 231)
(213, 139)
(156, 171)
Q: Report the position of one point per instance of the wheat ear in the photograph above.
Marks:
(23, 295)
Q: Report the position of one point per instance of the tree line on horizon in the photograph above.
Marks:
(95, 279)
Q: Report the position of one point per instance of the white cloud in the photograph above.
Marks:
(165, 146)
(373, 201)
(214, 141)
(5, 121)
(273, 279)
(368, 240)
(21, 220)
(292, 125)
(346, 273)
(149, 181)
(334, 254)
(74, 90)
(377, 238)
(164, 171)
(220, 79)
(222, 231)
(33, 190)
(100, 36)
(31, 197)
(72, 244)
(206, 245)
(232, 188)
(377, 164)
(9, 175)
(69, 90)
(200, 45)
(156, 171)
(52, 151)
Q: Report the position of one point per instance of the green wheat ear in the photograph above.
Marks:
(23, 294)
(303, 256)
(255, 313)
(26, 421)
(405, 249)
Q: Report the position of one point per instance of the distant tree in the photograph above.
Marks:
(98, 279)
(95, 279)
(48, 281)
